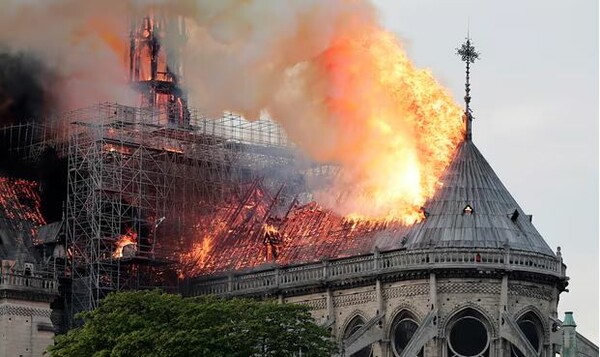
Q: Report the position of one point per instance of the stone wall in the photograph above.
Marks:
(25, 328)
(430, 291)
(448, 295)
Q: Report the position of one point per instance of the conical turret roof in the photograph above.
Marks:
(473, 209)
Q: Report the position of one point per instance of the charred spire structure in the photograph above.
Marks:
(154, 66)
(469, 55)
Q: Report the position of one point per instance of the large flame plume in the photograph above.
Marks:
(341, 85)
(396, 127)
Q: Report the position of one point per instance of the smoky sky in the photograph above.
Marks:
(26, 97)
(24, 88)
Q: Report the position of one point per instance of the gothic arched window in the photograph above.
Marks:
(353, 326)
(403, 329)
(533, 329)
(468, 335)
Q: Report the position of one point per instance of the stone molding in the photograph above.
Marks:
(543, 320)
(383, 264)
(406, 290)
(469, 288)
(315, 304)
(362, 297)
(530, 291)
(20, 310)
(350, 317)
(403, 306)
(24, 282)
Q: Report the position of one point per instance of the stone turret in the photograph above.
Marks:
(569, 347)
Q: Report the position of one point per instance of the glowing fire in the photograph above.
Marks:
(396, 128)
(199, 253)
(129, 238)
(270, 230)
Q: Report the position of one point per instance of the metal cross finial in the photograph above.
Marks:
(468, 55)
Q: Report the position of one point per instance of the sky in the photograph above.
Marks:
(535, 101)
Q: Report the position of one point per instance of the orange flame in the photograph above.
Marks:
(269, 229)
(199, 253)
(397, 128)
(201, 248)
(126, 239)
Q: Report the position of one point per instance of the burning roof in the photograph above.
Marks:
(20, 215)
(247, 235)
(472, 209)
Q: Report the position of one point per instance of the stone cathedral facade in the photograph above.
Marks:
(474, 278)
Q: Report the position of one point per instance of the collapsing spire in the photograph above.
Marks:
(468, 55)
(155, 69)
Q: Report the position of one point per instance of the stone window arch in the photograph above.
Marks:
(533, 329)
(403, 328)
(468, 334)
(351, 328)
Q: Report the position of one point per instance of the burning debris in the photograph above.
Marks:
(126, 245)
(251, 229)
(20, 208)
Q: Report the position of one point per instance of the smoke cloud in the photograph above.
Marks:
(25, 96)
(25, 88)
(76, 41)
(339, 84)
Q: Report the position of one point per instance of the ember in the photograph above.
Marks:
(20, 206)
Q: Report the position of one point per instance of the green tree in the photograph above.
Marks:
(154, 324)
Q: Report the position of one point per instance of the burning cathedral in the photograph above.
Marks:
(165, 196)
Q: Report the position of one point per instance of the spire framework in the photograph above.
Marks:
(469, 55)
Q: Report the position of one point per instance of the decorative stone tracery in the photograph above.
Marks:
(530, 291)
(469, 288)
(316, 304)
(407, 290)
(19, 310)
(359, 298)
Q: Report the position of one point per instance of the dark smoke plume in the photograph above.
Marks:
(24, 88)
(26, 97)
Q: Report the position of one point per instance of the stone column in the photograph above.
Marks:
(329, 302)
(384, 344)
(502, 307)
(433, 291)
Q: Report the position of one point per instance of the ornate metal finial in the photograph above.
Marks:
(468, 55)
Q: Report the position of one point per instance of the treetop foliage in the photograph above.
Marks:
(155, 324)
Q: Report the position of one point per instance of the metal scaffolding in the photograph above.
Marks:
(136, 190)
(141, 192)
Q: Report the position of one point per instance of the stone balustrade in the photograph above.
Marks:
(21, 282)
(375, 264)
